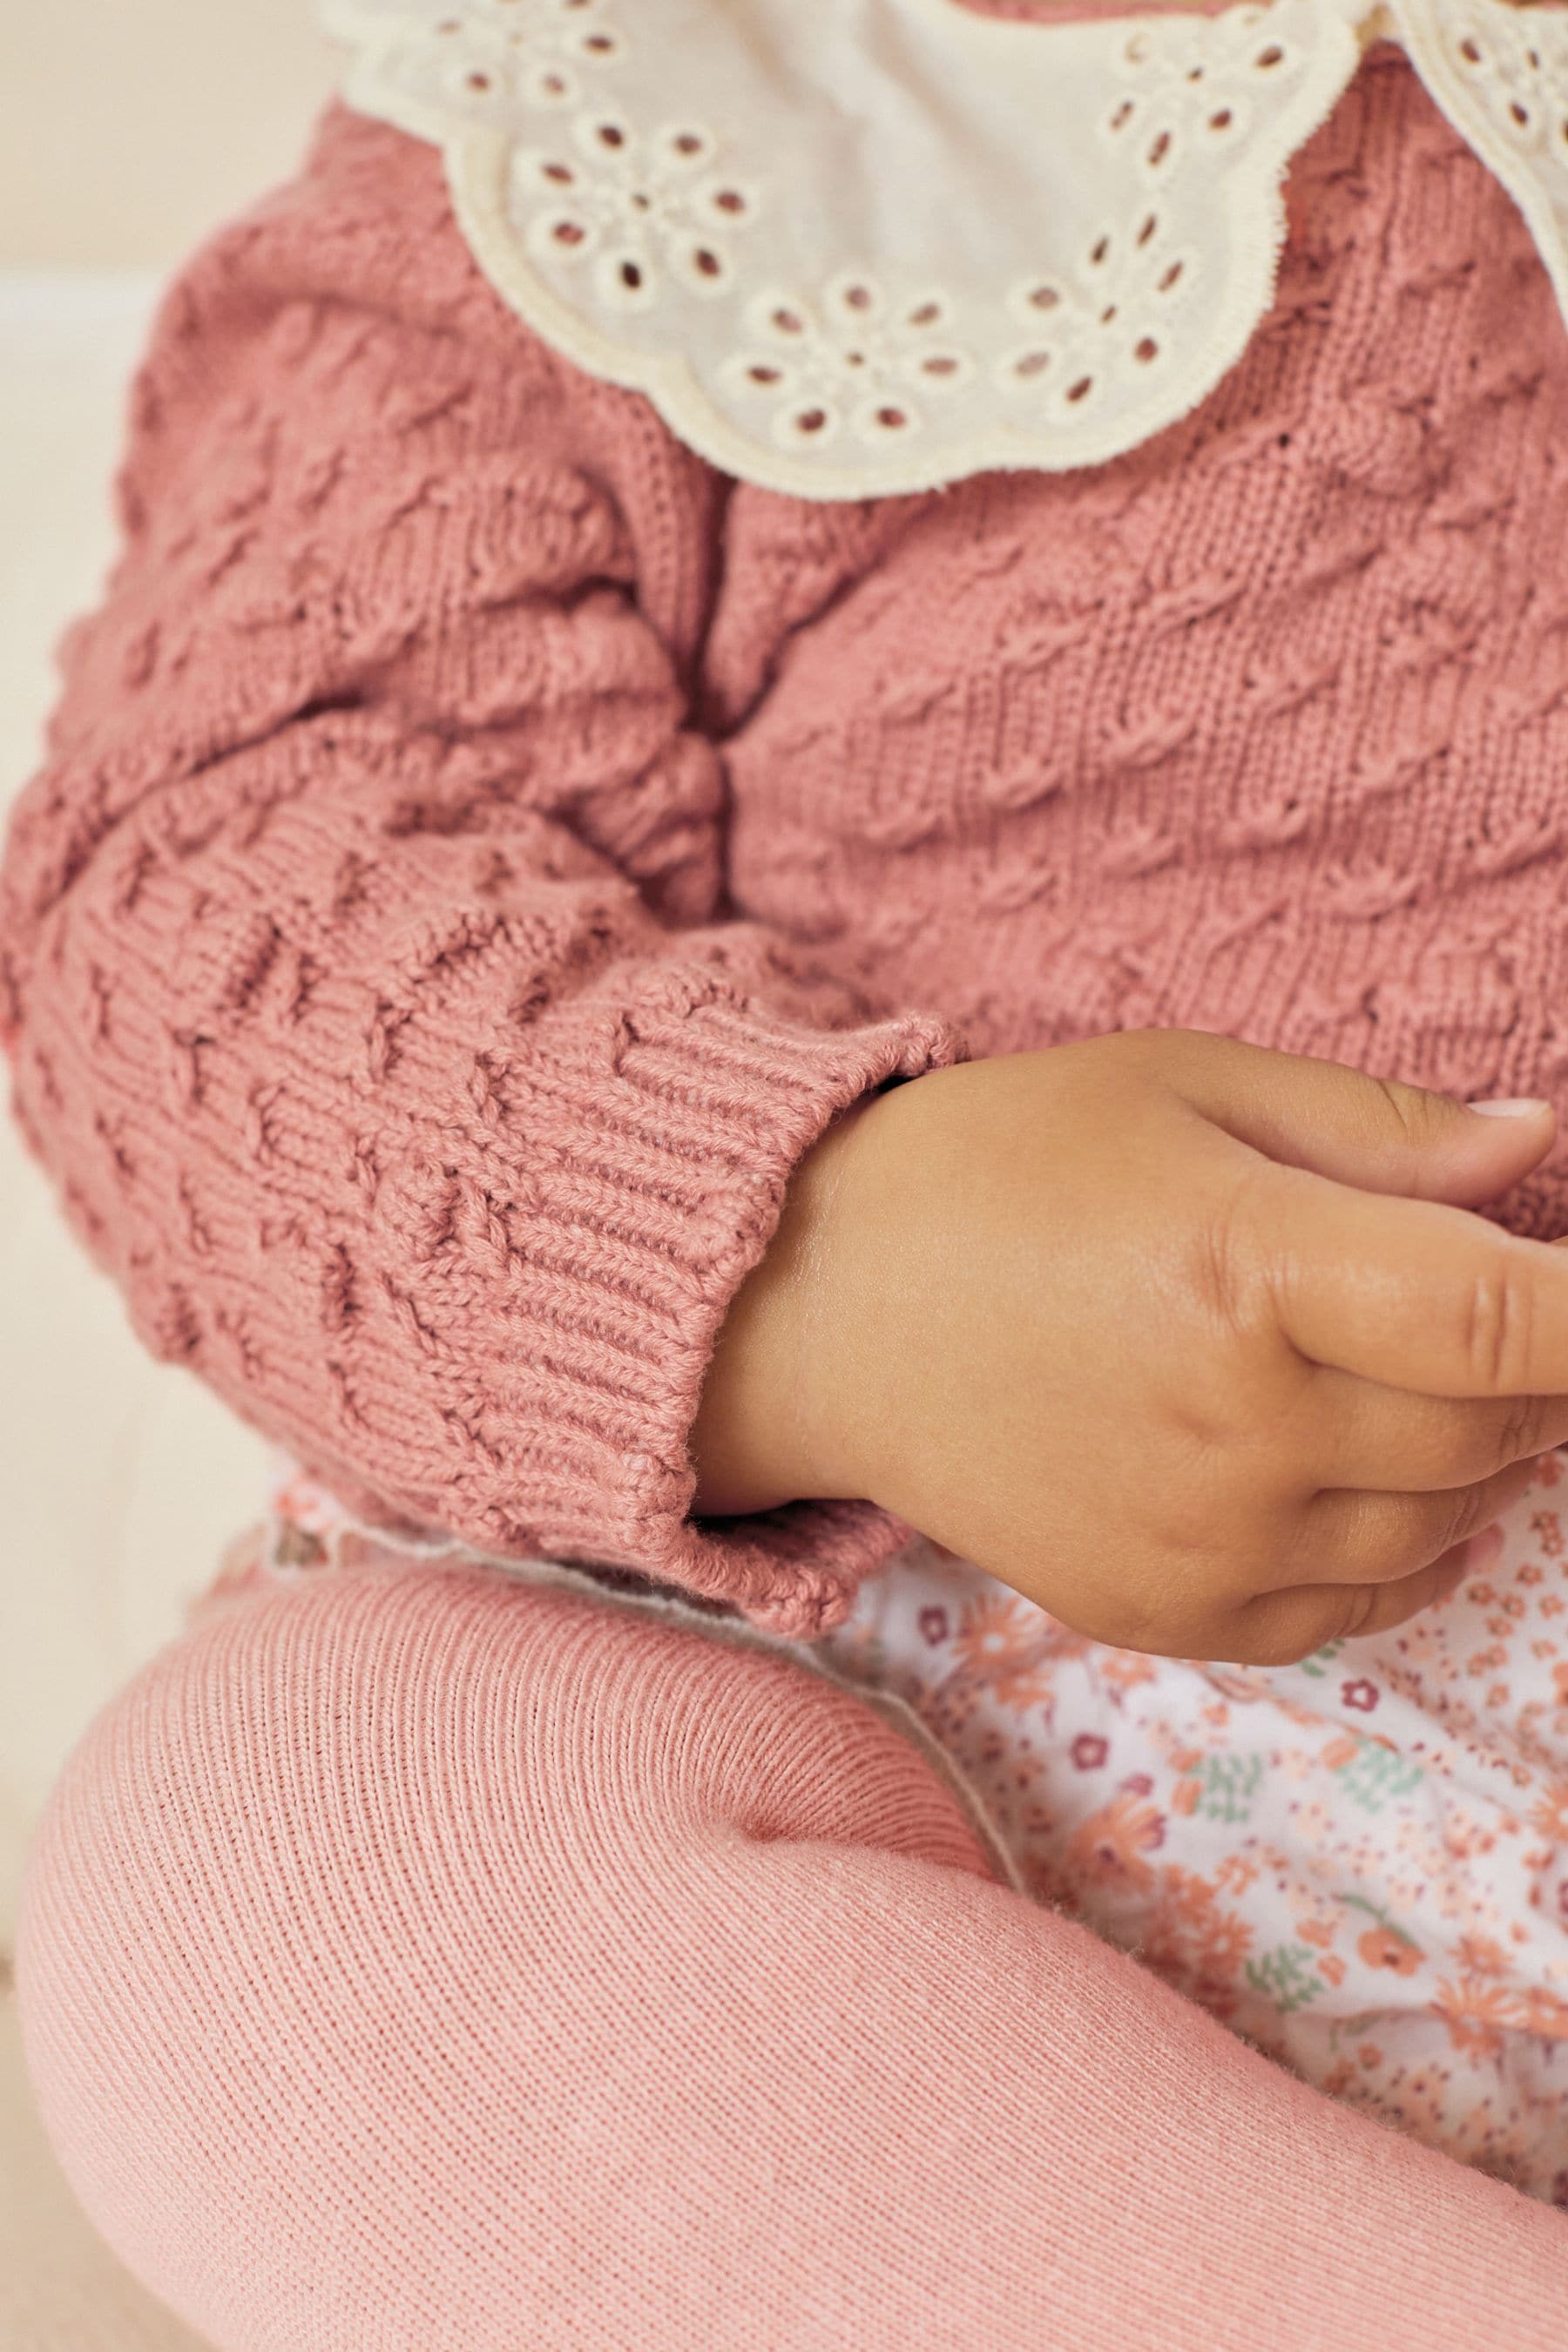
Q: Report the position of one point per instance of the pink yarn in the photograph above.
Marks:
(481, 850)
(423, 1959)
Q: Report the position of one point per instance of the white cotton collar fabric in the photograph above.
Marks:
(873, 247)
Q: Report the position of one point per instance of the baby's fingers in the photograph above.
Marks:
(1365, 1435)
(1414, 1294)
(1346, 1538)
(1279, 1628)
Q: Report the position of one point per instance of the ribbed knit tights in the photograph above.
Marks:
(426, 1959)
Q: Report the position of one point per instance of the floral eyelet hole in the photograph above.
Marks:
(789, 322)
(1159, 150)
(1031, 364)
(1146, 348)
(1148, 229)
(1081, 389)
(1267, 58)
(1469, 50)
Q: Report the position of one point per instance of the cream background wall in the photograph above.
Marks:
(127, 126)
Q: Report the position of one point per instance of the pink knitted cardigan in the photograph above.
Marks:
(480, 850)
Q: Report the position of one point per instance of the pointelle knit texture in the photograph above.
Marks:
(481, 849)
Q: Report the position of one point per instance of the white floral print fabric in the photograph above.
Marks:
(1360, 1862)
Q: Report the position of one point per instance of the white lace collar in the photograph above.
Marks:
(863, 247)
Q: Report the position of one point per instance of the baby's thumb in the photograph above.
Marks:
(1377, 1133)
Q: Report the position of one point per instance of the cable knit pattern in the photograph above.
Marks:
(363, 947)
(481, 849)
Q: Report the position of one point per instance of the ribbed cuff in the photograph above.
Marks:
(668, 1160)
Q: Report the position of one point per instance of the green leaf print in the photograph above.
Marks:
(1322, 1660)
(1377, 1776)
(1286, 1976)
(1230, 1784)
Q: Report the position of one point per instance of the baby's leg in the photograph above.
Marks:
(429, 1958)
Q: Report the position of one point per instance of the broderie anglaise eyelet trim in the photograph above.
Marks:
(639, 213)
(852, 363)
(848, 254)
(1500, 75)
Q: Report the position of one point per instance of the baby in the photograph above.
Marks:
(800, 886)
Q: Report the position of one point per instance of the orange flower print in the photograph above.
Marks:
(1009, 1646)
(1332, 1968)
(1384, 1947)
(1544, 2013)
(1110, 1846)
(1476, 2013)
(1549, 1814)
(1192, 1943)
(1123, 1669)
(1479, 1955)
(1224, 1943)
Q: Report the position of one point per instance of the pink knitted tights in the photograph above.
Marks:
(426, 1958)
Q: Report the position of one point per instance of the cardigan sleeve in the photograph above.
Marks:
(365, 967)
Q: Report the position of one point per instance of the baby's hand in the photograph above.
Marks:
(1152, 1328)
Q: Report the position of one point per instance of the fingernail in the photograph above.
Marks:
(1512, 1106)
